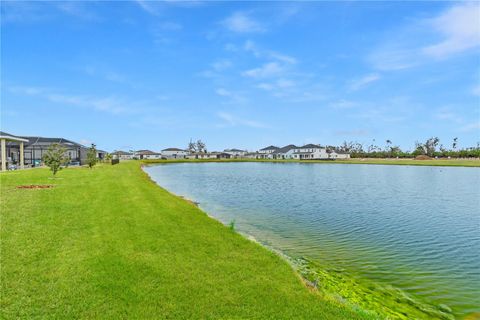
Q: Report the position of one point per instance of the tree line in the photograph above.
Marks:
(431, 148)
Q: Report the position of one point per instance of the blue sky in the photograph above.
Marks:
(134, 75)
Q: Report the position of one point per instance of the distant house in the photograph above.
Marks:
(310, 152)
(236, 153)
(252, 155)
(148, 154)
(122, 155)
(338, 154)
(267, 152)
(202, 155)
(36, 147)
(101, 154)
(284, 152)
(174, 153)
(222, 155)
(8, 157)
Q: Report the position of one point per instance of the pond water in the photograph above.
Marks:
(416, 228)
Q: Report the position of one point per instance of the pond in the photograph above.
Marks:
(416, 228)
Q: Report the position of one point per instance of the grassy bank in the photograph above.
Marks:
(109, 243)
(405, 162)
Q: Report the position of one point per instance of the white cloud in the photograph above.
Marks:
(223, 92)
(460, 27)
(364, 81)
(267, 70)
(474, 126)
(34, 11)
(446, 114)
(106, 75)
(109, 104)
(232, 121)
(476, 90)
(106, 104)
(283, 57)
(233, 96)
(457, 30)
(343, 104)
(221, 65)
(240, 22)
(393, 57)
(77, 9)
(23, 90)
(251, 47)
(170, 26)
(149, 6)
(280, 84)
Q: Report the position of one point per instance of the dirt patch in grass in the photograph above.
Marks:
(422, 157)
(35, 186)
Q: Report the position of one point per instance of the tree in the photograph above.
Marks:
(388, 147)
(92, 156)
(55, 158)
(419, 149)
(108, 157)
(373, 147)
(192, 147)
(454, 144)
(201, 147)
(431, 145)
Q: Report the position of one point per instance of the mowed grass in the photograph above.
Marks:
(109, 243)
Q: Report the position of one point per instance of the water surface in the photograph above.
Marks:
(416, 228)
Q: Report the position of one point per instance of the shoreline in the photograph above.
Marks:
(463, 163)
(371, 297)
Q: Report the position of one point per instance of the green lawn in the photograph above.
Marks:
(109, 243)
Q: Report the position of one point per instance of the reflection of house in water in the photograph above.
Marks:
(35, 148)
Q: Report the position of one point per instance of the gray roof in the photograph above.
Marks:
(269, 148)
(286, 148)
(234, 150)
(337, 151)
(33, 141)
(302, 153)
(11, 137)
(146, 152)
(310, 146)
(172, 149)
(121, 153)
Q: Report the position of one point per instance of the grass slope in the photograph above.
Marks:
(109, 243)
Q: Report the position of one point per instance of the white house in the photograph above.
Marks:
(174, 153)
(284, 152)
(336, 154)
(148, 154)
(252, 155)
(236, 153)
(267, 152)
(122, 155)
(209, 155)
(310, 152)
